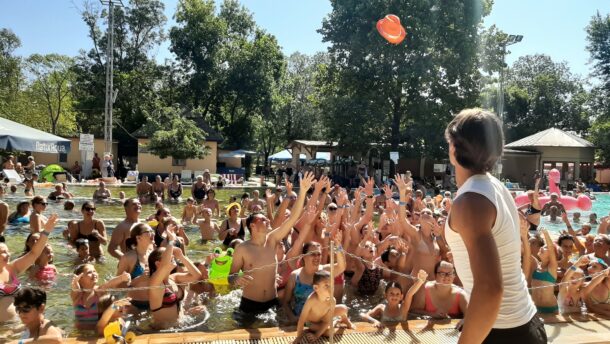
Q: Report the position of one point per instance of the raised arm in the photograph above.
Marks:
(404, 189)
(24, 262)
(284, 229)
(579, 246)
(552, 253)
(422, 276)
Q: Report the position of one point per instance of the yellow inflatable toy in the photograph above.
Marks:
(115, 333)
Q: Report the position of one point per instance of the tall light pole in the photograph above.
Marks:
(510, 40)
(110, 91)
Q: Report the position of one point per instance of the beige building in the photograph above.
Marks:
(572, 155)
(149, 163)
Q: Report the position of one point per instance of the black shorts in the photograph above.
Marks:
(255, 307)
(532, 332)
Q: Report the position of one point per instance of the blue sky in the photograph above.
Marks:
(553, 27)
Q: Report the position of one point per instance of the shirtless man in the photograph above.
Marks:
(159, 188)
(121, 232)
(144, 190)
(207, 226)
(102, 194)
(554, 202)
(260, 292)
(9, 164)
(255, 201)
(59, 193)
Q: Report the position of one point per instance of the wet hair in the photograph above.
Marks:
(137, 229)
(393, 284)
(251, 218)
(319, 276)
(245, 195)
(21, 204)
(13, 188)
(37, 200)
(154, 256)
(564, 237)
(478, 139)
(233, 244)
(31, 296)
(27, 249)
(68, 205)
(87, 204)
(81, 268)
(103, 303)
(128, 202)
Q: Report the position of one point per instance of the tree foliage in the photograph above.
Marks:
(403, 95)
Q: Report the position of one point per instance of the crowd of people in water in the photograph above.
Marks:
(280, 244)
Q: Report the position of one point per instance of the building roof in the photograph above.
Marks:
(211, 134)
(310, 143)
(552, 137)
(519, 152)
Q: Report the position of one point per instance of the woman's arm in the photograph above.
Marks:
(192, 275)
(101, 229)
(24, 262)
(552, 253)
(422, 276)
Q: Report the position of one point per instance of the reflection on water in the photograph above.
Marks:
(221, 309)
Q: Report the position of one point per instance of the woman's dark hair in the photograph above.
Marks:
(308, 245)
(385, 255)
(81, 268)
(21, 204)
(393, 284)
(104, 302)
(564, 237)
(136, 230)
(212, 191)
(478, 139)
(87, 204)
(31, 296)
(27, 249)
(154, 256)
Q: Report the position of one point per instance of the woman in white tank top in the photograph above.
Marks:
(483, 233)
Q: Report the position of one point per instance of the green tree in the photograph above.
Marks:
(10, 72)
(52, 77)
(137, 77)
(375, 92)
(540, 94)
(598, 33)
(171, 134)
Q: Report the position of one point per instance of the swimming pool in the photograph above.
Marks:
(59, 306)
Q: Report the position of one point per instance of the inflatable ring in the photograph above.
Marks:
(234, 204)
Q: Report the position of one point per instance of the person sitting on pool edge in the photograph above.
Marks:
(259, 287)
(30, 304)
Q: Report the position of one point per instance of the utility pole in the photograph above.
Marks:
(510, 40)
(110, 91)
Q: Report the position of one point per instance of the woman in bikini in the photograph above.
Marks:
(166, 297)
(89, 228)
(570, 296)
(544, 277)
(174, 190)
(300, 282)
(233, 227)
(211, 203)
(533, 209)
(140, 242)
(9, 283)
(441, 298)
(37, 219)
(597, 294)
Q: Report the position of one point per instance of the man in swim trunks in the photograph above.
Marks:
(144, 190)
(260, 292)
(121, 232)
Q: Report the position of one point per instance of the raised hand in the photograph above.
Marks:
(422, 275)
(388, 191)
(307, 181)
(51, 222)
(368, 188)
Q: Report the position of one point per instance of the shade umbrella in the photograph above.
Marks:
(16, 136)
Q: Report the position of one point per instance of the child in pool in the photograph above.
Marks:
(317, 312)
(44, 270)
(109, 310)
(207, 226)
(82, 248)
(189, 211)
(397, 303)
(571, 295)
(86, 294)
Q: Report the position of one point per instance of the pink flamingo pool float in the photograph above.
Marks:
(582, 202)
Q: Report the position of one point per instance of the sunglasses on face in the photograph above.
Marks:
(332, 209)
(89, 209)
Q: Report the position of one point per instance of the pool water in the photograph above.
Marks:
(59, 305)
(601, 207)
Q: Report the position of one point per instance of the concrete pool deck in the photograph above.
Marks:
(560, 329)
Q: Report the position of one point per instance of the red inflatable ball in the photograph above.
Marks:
(390, 28)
